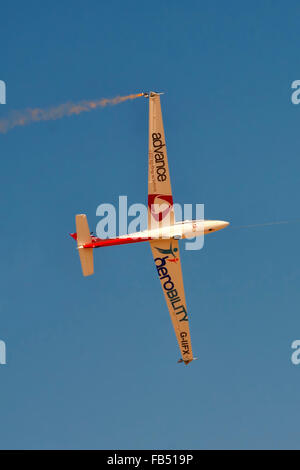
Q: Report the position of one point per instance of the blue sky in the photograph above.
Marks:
(91, 363)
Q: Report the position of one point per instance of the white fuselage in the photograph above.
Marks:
(185, 229)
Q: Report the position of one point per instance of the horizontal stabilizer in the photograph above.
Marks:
(84, 237)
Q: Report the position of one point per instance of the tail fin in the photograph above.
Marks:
(83, 237)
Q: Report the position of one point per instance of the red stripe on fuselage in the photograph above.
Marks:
(98, 242)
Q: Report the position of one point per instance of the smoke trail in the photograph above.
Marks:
(27, 116)
(265, 224)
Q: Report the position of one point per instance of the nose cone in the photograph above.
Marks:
(221, 224)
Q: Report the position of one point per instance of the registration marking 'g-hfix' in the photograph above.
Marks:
(184, 343)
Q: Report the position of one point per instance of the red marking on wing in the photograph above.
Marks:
(159, 216)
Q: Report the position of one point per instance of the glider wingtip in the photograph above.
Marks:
(186, 362)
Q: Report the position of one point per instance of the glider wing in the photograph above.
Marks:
(160, 200)
(167, 261)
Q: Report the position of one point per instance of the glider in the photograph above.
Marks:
(163, 232)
